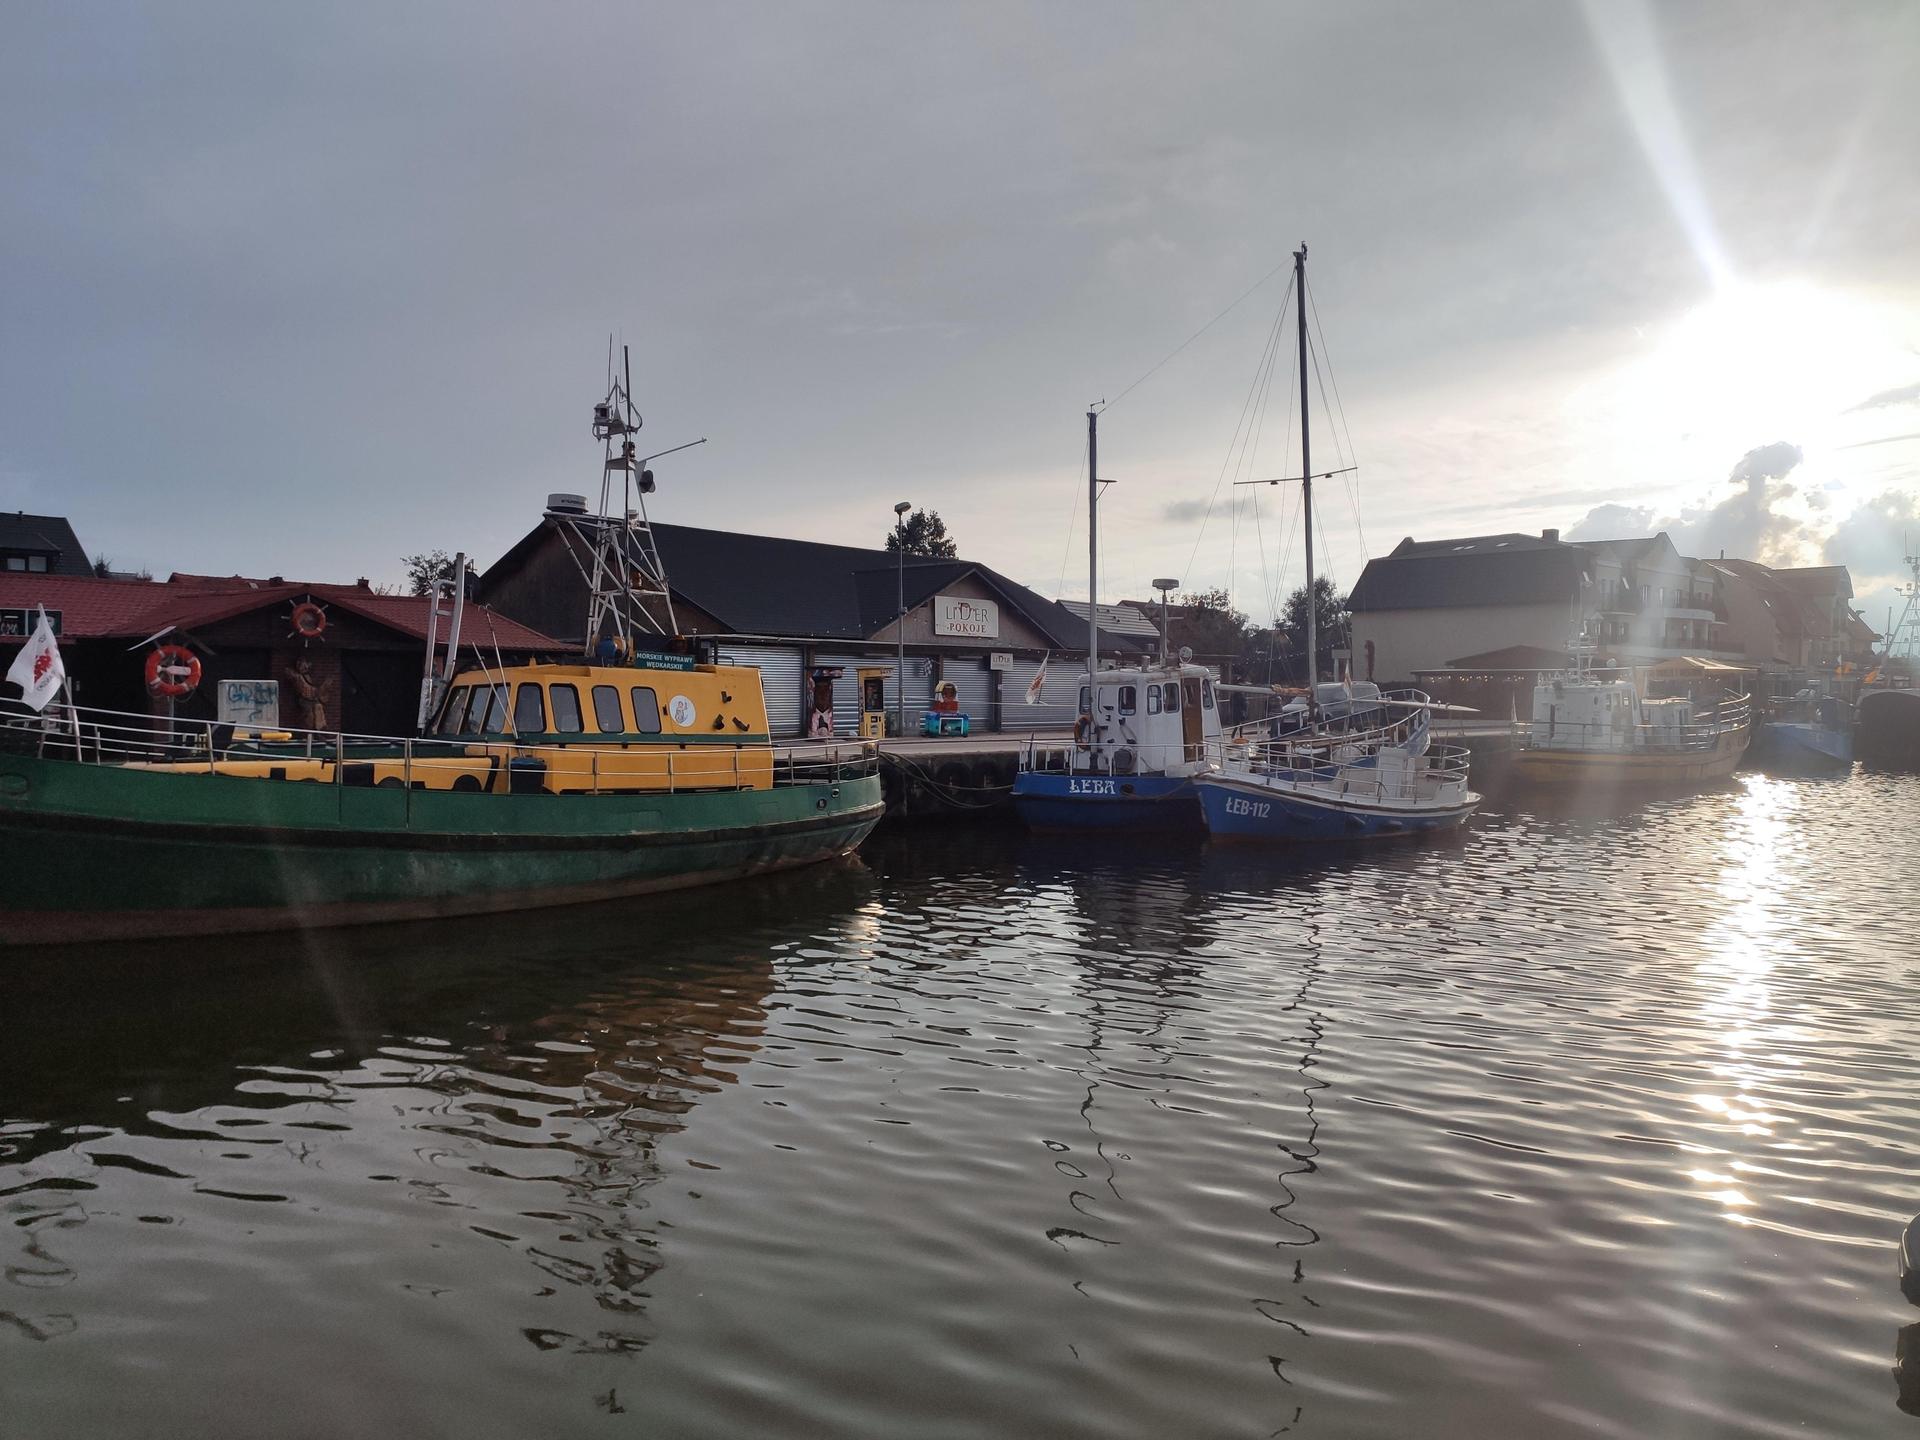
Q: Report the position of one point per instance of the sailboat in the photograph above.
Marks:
(1349, 764)
(1143, 733)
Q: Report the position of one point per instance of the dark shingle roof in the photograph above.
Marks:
(1480, 570)
(806, 589)
(48, 534)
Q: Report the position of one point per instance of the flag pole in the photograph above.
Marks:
(66, 687)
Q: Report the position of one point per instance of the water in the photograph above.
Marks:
(1591, 1124)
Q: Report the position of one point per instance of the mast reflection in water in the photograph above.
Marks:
(1595, 1121)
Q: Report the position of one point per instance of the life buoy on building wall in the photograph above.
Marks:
(172, 671)
(309, 620)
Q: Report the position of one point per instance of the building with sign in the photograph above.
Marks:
(797, 608)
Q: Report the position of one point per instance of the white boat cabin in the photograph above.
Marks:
(1585, 712)
(1148, 720)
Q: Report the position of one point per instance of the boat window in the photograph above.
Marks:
(1129, 699)
(487, 712)
(450, 716)
(1173, 698)
(646, 710)
(1206, 694)
(529, 711)
(566, 710)
(1153, 699)
(606, 710)
(1086, 705)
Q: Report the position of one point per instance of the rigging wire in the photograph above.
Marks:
(1203, 330)
(1353, 481)
(1073, 516)
(1264, 368)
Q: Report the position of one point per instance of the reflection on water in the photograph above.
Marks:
(1595, 1121)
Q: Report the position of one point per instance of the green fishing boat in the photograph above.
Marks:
(529, 786)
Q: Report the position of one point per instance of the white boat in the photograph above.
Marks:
(1348, 762)
(1592, 728)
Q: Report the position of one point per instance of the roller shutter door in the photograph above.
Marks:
(781, 677)
(1059, 697)
(846, 690)
(974, 682)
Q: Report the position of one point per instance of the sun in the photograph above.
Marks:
(1773, 361)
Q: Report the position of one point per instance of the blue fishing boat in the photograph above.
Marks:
(1810, 730)
(1341, 763)
(1143, 732)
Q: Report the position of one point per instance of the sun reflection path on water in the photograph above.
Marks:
(1760, 886)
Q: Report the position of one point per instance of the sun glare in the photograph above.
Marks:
(1755, 363)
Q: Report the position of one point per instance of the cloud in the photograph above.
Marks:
(1747, 524)
(1182, 511)
(1883, 440)
(1899, 395)
(1873, 541)
(1613, 522)
(1767, 462)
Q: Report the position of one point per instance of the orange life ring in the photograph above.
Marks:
(172, 671)
(309, 620)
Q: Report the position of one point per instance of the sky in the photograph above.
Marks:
(302, 291)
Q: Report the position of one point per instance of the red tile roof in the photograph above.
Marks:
(134, 609)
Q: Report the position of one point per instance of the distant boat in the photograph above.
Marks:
(1592, 728)
(1887, 727)
(1345, 761)
(1887, 715)
(1809, 730)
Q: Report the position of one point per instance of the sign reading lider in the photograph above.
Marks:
(973, 619)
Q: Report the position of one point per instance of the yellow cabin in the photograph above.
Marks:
(561, 729)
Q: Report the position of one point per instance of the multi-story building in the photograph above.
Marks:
(1436, 605)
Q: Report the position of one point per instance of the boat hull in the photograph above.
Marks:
(1887, 728)
(1606, 768)
(1052, 802)
(1246, 811)
(99, 853)
(1788, 743)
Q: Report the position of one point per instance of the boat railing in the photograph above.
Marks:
(589, 765)
(1703, 733)
(1350, 766)
(1117, 759)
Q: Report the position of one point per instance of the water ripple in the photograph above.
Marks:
(1597, 1121)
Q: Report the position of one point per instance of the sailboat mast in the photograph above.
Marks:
(1306, 475)
(1093, 549)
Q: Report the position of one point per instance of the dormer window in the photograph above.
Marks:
(21, 562)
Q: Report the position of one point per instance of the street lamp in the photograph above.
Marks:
(900, 617)
(1164, 586)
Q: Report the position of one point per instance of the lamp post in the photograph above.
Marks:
(1164, 587)
(900, 617)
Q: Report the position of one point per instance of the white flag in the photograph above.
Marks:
(37, 669)
(1039, 681)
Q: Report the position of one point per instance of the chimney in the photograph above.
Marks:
(1552, 536)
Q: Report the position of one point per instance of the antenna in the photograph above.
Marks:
(615, 551)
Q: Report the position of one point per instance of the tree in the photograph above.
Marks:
(925, 534)
(1330, 620)
(1206, 623)
(423, 570)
